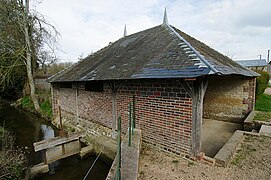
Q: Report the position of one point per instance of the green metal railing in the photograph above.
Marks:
(132, 123)
(131, 128)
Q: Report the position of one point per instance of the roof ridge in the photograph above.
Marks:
(201, 58)
(63, 70)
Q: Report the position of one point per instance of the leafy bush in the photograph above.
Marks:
(261, 82)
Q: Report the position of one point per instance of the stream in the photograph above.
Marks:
(29, 128)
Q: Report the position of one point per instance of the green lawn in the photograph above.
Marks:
(263, 105)
(262, 116)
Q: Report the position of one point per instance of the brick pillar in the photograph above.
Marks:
(249, 88)
(252, 93)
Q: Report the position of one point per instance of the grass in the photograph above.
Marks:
(45, 104)
(243, 152)
(263, 106)
(175, 161)
(27, 103)
(191, 163)
(46, 109)
(263, 103)
(69, 129)
(239, 157)
(262, 116)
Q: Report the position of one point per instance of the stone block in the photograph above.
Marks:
(225, 154)
(86, 151)
(265, 131)
(39, 169)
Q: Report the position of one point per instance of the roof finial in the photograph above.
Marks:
(125, 31)
(165, 20)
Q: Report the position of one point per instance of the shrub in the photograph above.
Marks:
(12, 160)
(261, 82)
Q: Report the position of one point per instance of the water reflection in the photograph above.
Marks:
(47, 131)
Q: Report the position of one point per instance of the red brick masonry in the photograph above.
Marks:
(163, 109)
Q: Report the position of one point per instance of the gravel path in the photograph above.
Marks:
(253, 161)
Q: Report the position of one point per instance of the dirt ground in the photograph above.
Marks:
(252, 161)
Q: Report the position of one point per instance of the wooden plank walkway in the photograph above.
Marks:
(52, 142)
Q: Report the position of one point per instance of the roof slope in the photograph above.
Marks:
(252, 63)
(159, 52)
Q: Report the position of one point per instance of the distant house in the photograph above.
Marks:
(174, 79)
(255, 64)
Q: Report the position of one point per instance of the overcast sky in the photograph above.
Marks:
(240, 29)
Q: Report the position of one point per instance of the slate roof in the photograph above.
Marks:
(159, 52)
(252, 63)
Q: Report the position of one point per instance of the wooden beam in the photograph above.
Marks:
(76, 102)
(199, 89)
(186, 87)
(52, 142)
(190, 79)
(114, 88)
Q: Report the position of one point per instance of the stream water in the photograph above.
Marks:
(29, 128)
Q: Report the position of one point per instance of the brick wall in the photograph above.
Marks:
(163, 110)
(229, 98)
(94, 106)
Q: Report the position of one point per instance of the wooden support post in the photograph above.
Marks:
(45, 158)
(114, 88)
(60, 119)
(76, 101)
(199, 89)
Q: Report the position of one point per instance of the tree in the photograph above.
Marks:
(28, 62)
(57, 67)
(45, 60)
(23, 36)
(12, 69)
